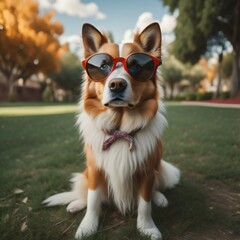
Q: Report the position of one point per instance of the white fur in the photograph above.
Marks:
(170, 174)
(89, 223)
(61, 199)
(118, 162)
(120, 47)
(76, 205)
(78, 192)
(145, 222)
(159, 199)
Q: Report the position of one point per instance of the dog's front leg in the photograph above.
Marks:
(90, 221)
(145, 222)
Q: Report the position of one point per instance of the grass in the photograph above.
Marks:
(205, 140)
(30, 109)
(39, 151)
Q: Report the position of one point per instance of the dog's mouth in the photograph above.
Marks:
(119, 102)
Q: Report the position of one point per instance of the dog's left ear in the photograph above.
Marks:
(150, 39)
(92, 39)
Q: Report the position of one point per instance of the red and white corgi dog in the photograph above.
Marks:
(121, 121)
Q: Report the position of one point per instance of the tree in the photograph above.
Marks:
(194, 74)
(218, 44)
(199, 22)
(172, 71)
(69, 77)
(28, 42)
(227, 65)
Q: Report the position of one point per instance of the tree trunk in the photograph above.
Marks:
(24, 91)
(11, 93)
(235, 79)
(171, 90)
(236, 52)
(219, 80)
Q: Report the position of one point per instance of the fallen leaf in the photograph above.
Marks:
(24, 226)
(25, 200)
(18, 191)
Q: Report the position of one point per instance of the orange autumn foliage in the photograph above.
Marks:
(28, 42)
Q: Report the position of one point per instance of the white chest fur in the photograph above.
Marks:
(118, 162)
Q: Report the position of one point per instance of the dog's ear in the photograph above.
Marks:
(92, 39)
(150, 39)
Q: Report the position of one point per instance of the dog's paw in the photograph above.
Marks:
(150, 230)
(87, 227)
(147, 227)
(153, 233)
(76, 205)
(159, 199)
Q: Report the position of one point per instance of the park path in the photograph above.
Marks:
(211, 104)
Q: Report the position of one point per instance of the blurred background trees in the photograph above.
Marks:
(199, 25)
(172, 72)
(180, 79)
(30, 49)
(195, 74)
(28, 42)
(69, 75)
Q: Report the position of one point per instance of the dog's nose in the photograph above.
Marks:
(117, 85)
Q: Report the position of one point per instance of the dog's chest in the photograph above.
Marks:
(118, 154)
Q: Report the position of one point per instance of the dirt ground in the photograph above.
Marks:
(226, 201)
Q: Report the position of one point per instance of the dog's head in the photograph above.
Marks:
(121, 77)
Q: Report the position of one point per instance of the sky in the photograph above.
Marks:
(121, 18)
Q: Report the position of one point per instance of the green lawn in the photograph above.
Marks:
(40, 148)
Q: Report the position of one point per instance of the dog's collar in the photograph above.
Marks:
(117, 134)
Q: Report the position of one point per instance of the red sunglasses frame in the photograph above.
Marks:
(157, 62)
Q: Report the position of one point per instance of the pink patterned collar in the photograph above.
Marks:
(117, 134)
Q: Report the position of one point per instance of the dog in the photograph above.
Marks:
(121, 121)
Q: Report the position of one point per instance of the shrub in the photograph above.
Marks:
(179, 98)
(225, 95)
(191, 96)
(205, 96)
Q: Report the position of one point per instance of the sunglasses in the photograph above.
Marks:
(140, 66)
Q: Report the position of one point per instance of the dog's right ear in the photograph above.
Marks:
(92, 39)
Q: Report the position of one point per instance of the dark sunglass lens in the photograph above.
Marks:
(140, 66)
(99, 66)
